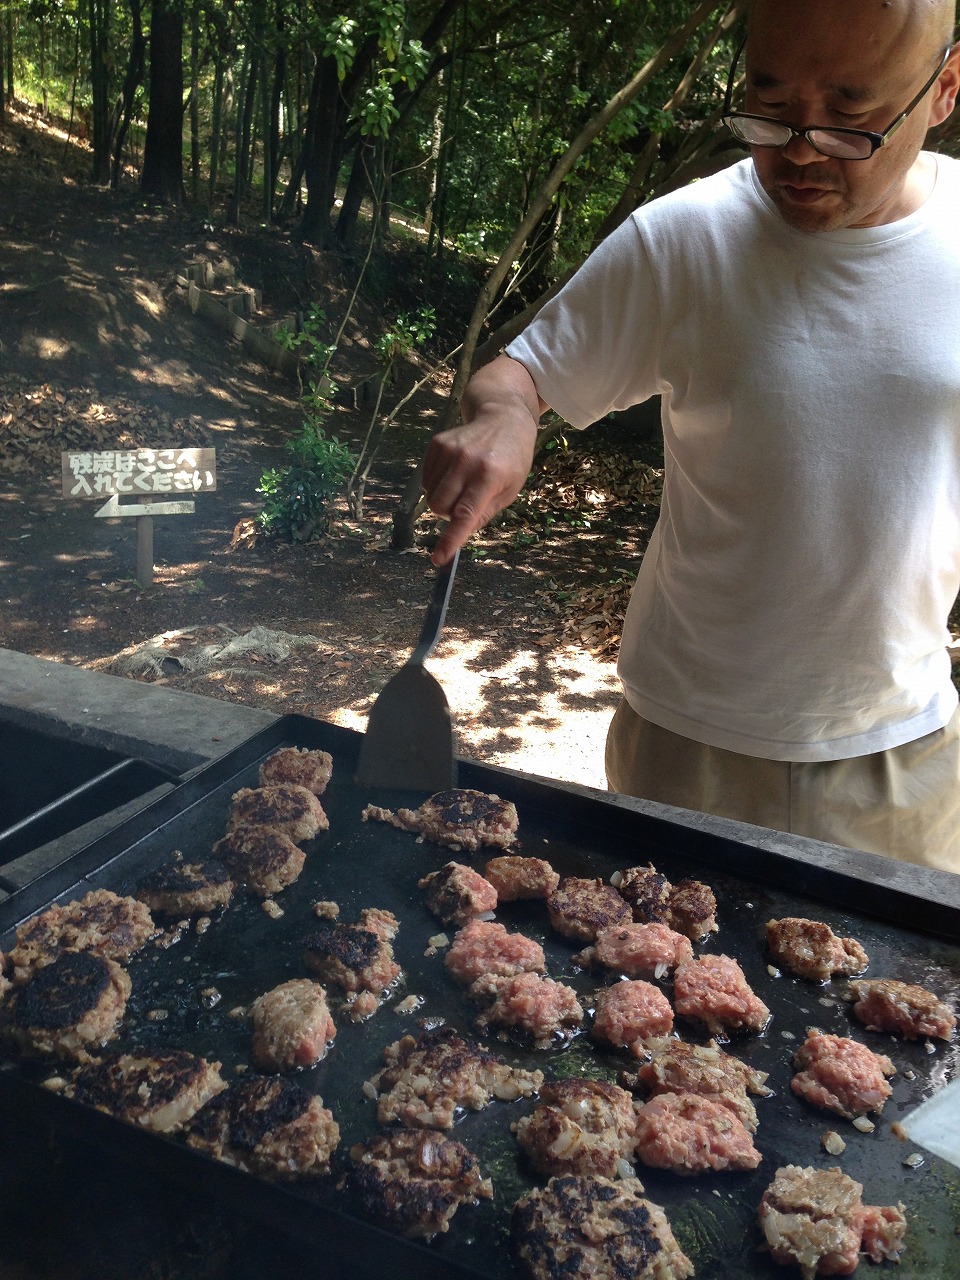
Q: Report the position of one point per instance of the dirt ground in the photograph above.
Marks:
(98, 350)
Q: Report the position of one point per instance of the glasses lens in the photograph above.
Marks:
(758, 132)
(842, 144)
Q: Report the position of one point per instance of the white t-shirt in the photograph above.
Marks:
(793, 600)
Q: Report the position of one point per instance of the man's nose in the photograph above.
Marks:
(799, 151)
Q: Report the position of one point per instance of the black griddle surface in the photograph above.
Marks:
(183, 996)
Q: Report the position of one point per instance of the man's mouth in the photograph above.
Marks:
(804, 195)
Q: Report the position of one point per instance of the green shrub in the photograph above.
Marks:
(296, 498)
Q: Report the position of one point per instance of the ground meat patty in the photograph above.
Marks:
(355, 957)
(427, 1078)
(100, 921)
(301, 767)
(458, 819)
(514, 877)
(810, 949)
(705, 1070)
(647, 892)
(289, 808)
(592, 1228)
(536, 1008)
(264, 859)
(66, 1008)
(292, 1026)
(632, 1015)
(713, 990)
(687, 1133)
(580, 1126)
(455, 893)
(841, 1075)
(160, 1093)
(483, 947)
(414, 1180)
(814, 1219)
(186, 888)
(581, 908)
(267, 1125)
(692, 909)
(638, 950)
(883, 1004)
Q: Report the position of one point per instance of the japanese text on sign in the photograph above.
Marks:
(102, 473)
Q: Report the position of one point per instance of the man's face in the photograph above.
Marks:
(854, 65)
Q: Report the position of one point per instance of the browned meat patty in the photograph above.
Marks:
(301, 767)
(458, 819)
(292, 1026)
(286, 807)
(267, 1125)
(841, 1075)
(705, 1070)
(100, 921)
(814, 1219)
(632, 1015)
(355, 957)
(66, 1008)
(456, 894)
(692, 909)
(483, 947)
(186, 888)
(414, 1180)
(883, 1004)
(580, 1126)
(810, 949)
(535, 1008)
(264, 859)
(427, 1078)
(638, 950)
(592, 1228)
(581, 908)
(514, 877)
(647, 892)
(160, 1093)
(713, 990)
(687, 1133)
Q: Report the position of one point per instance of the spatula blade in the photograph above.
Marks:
(408, 743)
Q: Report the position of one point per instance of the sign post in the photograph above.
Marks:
(140, 473)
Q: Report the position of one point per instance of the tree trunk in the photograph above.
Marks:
(8, 55)
(244, 125)
(322, 151)
(162, 178)
(131, 82)
(216, 126)
(195, 102)
(3, 96)
(98, 25)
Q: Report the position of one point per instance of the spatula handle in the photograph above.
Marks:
(436, 612)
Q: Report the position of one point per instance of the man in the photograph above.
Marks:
(783, 657)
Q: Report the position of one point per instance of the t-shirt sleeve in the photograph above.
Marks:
(594, 347)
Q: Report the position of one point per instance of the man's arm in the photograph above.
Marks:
(477, 469)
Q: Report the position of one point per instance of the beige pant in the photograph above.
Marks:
(903, 803)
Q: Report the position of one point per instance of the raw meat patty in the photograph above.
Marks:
(687, 1133)
(186, 888)
(638, 950)
(68, 1007)
(292, 1026)
(883, 1004)
(303, 768)
(539, 1009)
(632, 1015)
(580, 908)
(458, 819)
(289, 808)
(592, 1228)
(713, 990)
(414, 1180)
(814, 1219)
(100, 921)
(264, 859)
(705, 1070)
(160, 1093)
(355, 957)
(428, 1077)
(267, 1125)
(483, 947)
(514, 877)
(812, 950)
(455, 893)
(841, 1075)
(580, 1126)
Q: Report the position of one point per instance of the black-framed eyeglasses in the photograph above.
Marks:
(841, 144)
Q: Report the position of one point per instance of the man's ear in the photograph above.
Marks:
(947, 88)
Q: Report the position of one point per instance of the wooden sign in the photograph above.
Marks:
(137, 473)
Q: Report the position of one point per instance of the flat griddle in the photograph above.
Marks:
(357, 864)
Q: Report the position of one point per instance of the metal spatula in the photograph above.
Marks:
(409, 739)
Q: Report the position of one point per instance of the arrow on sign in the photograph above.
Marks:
(112, 507)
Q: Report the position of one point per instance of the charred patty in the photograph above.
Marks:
(159, 1092)
(67, 1008)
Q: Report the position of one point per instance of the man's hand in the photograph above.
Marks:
(474, 471)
